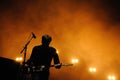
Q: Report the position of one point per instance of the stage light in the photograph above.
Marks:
(57, 52)
(92, 69)
(111, 77)
(19, 59)
(75, 61)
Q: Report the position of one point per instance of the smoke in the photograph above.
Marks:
(83, 29)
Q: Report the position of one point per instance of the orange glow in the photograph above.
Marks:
(77, 28)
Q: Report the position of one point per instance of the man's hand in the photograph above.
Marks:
(58, 66)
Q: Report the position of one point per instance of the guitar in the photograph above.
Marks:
(43, 67)
(54, 65)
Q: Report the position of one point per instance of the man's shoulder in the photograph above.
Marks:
(37, 46)
(52, 47)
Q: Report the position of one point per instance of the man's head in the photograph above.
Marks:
(46, 39)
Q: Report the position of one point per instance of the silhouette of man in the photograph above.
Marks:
(41, 57)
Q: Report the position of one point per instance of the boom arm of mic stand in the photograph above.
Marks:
(25, 48)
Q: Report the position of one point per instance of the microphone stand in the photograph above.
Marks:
(25, 50)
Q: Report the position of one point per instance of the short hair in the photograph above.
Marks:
(46, 38)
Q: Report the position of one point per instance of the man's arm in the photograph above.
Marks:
(57, 60)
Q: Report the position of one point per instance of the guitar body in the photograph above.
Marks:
(31, 69)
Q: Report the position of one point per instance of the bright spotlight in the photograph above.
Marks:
(57, 51)
(92, 69)
(111, 77)
(74, 60)
(19, 59)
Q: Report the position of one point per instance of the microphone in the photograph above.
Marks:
(33, 35)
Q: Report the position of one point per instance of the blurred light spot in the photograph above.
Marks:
(74, 60)
(92, 69)
(19, 59)
(57, 51)
(111, 77)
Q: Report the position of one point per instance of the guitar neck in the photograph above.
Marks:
(61, 65)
